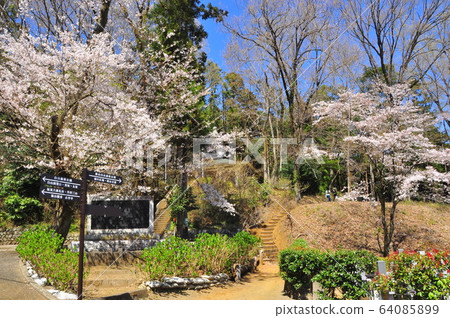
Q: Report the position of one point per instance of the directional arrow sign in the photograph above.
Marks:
(103, 177)
(100, 210)
(56, 181)
(60, 194)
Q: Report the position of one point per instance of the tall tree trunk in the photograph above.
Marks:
(63, 218)
(182, 230)
(388, 224)
(297, 183)
(266, 160)
(349, 173)
(372, 182)
(386, 241)
(102, 19)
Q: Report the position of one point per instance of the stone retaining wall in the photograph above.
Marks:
(10, 236)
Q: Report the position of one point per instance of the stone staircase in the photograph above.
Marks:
(162, 217)
(270, 250)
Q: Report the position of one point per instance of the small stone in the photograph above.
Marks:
(154, 284)
(41, 281)
(200, 281)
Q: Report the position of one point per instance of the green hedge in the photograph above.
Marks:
(42, 248)
(340, 270)
(208, 254)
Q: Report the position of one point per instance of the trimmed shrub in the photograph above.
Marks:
(334, 271)
(41, 247)
(298, 267)
(342, 271)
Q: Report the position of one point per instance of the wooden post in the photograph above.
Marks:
(81, 239)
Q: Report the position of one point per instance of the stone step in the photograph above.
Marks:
(162, 217)
(112, 283)
(277, 218)
(112, 274)
(112, 269)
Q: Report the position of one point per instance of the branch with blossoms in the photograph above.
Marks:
(217, 199)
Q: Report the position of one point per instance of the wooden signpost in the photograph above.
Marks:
(56, 181)
(69, 189)
(103, 177)
(60, 194)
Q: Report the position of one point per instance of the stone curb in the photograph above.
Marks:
(187, 283)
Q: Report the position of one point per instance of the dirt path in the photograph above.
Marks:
(264, 284)
(13, 284)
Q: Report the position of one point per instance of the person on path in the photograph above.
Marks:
(334, 193)
(328, 195)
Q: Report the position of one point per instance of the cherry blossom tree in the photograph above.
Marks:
(388, 128)
(72, 92)
(63, 106)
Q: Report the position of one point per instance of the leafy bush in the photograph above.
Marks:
(333, 270)
(342, 270)
(18, 196)
(171, 257)
(214, 253)
(22, 209)
(246, 246)
(208, 254)
(298, 267)
(42, 248)
(422, 276)
(299, 244)
(180, 201)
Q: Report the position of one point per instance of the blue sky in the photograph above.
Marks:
(217, 37)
